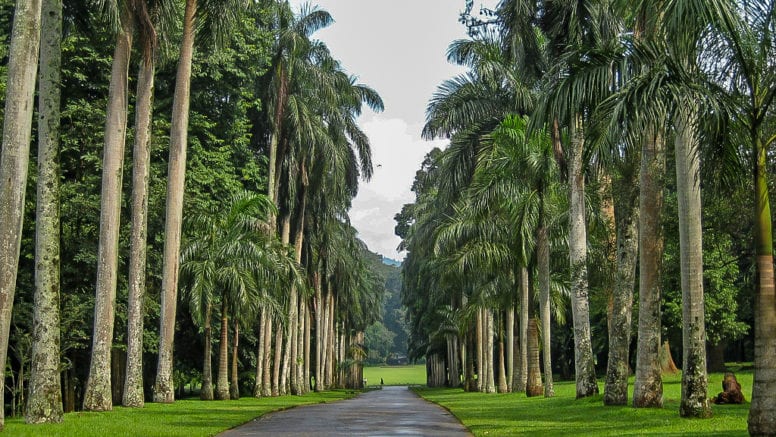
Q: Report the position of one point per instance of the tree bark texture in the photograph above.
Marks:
(133, 386)
(259, 387)
(222, 380)
(234, 385)
(543, 260)
(648, 385)
(277, 359)
(524, 317)
(695, 401)
(301, 361)
(44, 404)
(534, 382)
(480, 351)
(510, 345)
(266, 377)
(490, 367)
(17, 125)
(584, 364)
(164, 390)
(97, 396)
(626, 213)
(762, 412)
(318, 305)
(206, 392)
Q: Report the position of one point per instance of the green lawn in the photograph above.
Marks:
(185, 418)
(396, 375)
(514, 414)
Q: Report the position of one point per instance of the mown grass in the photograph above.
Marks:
(514, 414)
(185, 418)
(396, 375)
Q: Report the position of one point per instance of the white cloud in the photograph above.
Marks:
(399, 48)
(397, 152)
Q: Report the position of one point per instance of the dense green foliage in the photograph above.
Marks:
(238, 263)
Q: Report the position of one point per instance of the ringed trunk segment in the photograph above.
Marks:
(694, 401)
(584, 366)
(762, 413)
(44, 404)
(164, 388)
(626, 218)
(97, 395)
(648, 385)
(133, 385)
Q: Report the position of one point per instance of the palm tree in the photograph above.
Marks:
(745, 49)
(17, 122)
(217, 15)
(97, 394)
(230, 259)
(45, 395)
(133, 384)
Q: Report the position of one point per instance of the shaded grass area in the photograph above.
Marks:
(515, 414)
(188, 417)
(396, 375)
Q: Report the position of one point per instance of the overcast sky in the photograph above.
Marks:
(397, 47)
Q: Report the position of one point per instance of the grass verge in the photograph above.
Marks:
(396, 375)
(185, 418)
(515, 414)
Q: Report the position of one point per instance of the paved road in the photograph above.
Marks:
(391, 411)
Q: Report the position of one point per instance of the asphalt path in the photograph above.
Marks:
(392, 411)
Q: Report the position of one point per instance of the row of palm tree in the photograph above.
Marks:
(287, 266)
(605, 86)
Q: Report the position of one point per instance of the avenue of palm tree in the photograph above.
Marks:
(603, 200)
(606, 134)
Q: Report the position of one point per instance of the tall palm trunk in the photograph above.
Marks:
(133, 386)
(762, 420)
(330, 339)
(648, 385)
(259, 387)
(277, 360)
(45, 399)
(695, 401)
(307, 345)
(292, 335)
(17, 125)
(584, 364)
(234, 386)
(222, 380)
(510, 339)
(626, 211)
(97, 395)
(164, 390)
(206, 392)
(318, 330)
(301, 359)
(490, 386)
(325, 381)
(524, 317)
(534, 384)
(543, 260)
(266, 376)
(480, 351)
(503, 387)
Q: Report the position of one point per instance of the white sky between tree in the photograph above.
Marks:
(397, 47)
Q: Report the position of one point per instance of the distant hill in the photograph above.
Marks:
(391, 262)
